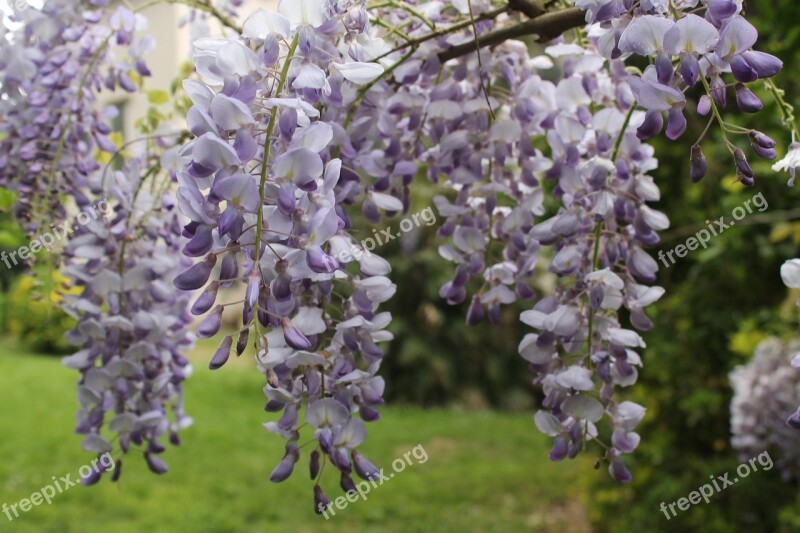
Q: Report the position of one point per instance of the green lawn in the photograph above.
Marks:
(486, 470)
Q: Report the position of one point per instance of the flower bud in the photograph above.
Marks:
(619, 471)
(719, 92)
(640, 321)
(293, 336)
(272, 51)
(222, 354)
(368, 414)
(117, 471)
(211, 324)
(698, 164)
(559, 450)
(286, 200)
(321, 502)
(347, 484)
(313, 465)
(676, 124)
(742, 164)
(765, 153)
(196, 275)
(201, 243)
(690, 69)
(704, 105)
(741, 70)
(664, 69)
(596, 296)
(156, 465)
(206, 300)
(92, 478)
(363, 467)
(475, 312)
(229, 269)
(764, 65)
(747, 100)
(756, 137)
(721, 9)
(341, 461)
(241, 344)
(285, 467)
(747, 181)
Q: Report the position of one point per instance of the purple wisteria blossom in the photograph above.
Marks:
(265, 194)
(133, 326)
(52, 70)
(478, 146)
(766, 392)
(689, 48)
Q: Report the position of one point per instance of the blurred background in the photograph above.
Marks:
(461, 391)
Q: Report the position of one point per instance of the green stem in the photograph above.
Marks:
(62, 139)
(197, 4)
(598, 229)
(391, 29)
(489, 15)
(716, 111)
(365, 89)
(480, 62)
(267, 146)
(787, 110)
(412, 11)
(621, 135)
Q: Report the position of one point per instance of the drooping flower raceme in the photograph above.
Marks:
(765, 393)
(689, 49)
(264, 193)
(477, 144)
(133, 326)
(52, 70)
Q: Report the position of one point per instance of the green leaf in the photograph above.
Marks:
(157, 97)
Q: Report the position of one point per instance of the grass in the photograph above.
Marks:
(486, 470)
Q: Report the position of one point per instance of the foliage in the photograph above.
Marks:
(31, 314)
(11, 237)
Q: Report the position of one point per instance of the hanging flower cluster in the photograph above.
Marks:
(765, 392)
(476, 141)
(132, 324)
(714, 50)
(264, 196)
(52, 70)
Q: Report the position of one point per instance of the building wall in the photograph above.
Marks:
(173, 48)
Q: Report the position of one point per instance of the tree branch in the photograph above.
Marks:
(545, 26)
(529, 8)
(414, 43)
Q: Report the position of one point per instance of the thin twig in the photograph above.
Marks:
(545, 27)
(480, 61)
